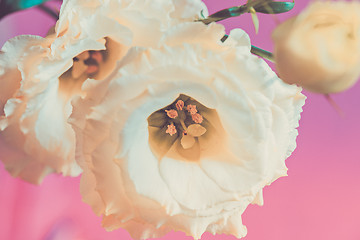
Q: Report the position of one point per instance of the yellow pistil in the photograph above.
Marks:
(183, 125)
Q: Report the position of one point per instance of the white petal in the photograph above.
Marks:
(259, 199)
(195, 33)
(98, 27)
(242, 178)
(239, 38)
(190, 186)
(144, 172)
(189, 9)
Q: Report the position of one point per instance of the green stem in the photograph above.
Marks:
(255, 50)
(233, 12)
(224, 14)
(262, 53)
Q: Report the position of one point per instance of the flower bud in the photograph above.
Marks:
(320, 48)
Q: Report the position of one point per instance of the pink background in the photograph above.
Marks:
(320, 199)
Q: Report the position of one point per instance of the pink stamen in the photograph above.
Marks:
(197, 118)
(191, 109)
(92, 69)
(97, 56)
(171, 113)
(180, 105)
(171, 129)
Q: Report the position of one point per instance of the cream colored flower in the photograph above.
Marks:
(150, 170)
(320, 48)
(40, 76)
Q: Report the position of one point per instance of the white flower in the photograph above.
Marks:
(40, 76)
(150, 170)
(320, 48)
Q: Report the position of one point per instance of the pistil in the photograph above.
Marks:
(183, 125)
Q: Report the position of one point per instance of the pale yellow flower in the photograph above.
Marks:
(320, 48)
(40, 76)
(150, 170)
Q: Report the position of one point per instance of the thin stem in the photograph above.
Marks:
(234, 11)
(255, 50)
(48, 11)
(224, 14)
(262, 53)
(5, 9)
(183, 125)
(334, 105)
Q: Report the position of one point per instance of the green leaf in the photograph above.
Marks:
(255, 19)
(10, 6)
(275, 7)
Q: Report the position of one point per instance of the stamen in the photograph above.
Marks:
(197, 118)
(97, 56)
(81, 65)
(91, 61)
(171, 113)
(171, 129)
(180, 105)
(191, 109)
(92, 69)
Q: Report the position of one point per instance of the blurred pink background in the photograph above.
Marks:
(320, 199)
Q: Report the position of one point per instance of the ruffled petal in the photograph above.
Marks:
(251, 116)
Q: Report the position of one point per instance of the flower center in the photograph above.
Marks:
(185, 130)
(90, 64)
(87, 63)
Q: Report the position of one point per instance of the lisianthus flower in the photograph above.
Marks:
(320, 48)
(185, 136)
(40, 76)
